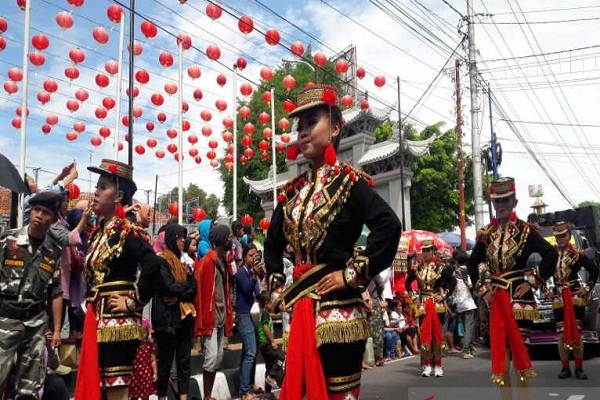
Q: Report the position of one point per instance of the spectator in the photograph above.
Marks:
(410, 335)
(465, 305)
(145, 371)
(204, 228)
(375, 290)
(268, 347)
(392, 332)
(236, 249)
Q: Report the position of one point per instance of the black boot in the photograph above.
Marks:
(565, 373)
(579, 374)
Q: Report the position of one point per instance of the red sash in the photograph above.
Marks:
(571, 333)
(431, 327)
(303, 361)
(503, 330)
(88, 376)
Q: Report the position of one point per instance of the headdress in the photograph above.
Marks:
(502, 187)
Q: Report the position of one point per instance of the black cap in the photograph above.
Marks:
(49, 200)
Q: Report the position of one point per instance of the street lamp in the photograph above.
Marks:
(309, 65)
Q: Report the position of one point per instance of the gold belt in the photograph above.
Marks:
(504, 280)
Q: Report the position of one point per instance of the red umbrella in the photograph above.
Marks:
(410, 242)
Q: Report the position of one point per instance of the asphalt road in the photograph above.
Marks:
(470, 380)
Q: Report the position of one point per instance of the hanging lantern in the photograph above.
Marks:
(101, 113)
(172, 148)
(185, 40)
(320, 59)
(206, 131)
(15, 74)
(214, 11)
(288, 106)
(72, 105)
(165, 59)
(46, 129)
(198, 214)
(297, 48)
(75, 3)
(264, 224)
(114, 13)
(243, 159)
(95, 141)
(228, 122)
(161, 117)
(193, 139)
(139, 149)
(364, 105)
(347, 100)
(266, 73)
(142, 76)
(174, 209)
(263, 145)
(82, 95)
(104, 131)
(2, 43)
(360, 72)
(137, 112)
(50, 86)
(11, 87)
(40, 41)
(148, 29)
(247, 141)
(285, 138)
(379, 81)
(213, 144)
(214, 163)
(241, 63)
(221, 105)
(3, 25)
(16, 123)
(37, 58)
(149, 126)
(264, 118)
(249, 128)
(43, 97)
(289, 82)
(71, 136)
(111, 67)
(213, 52)
(185, 125)
(72, 73)
(102, 80)
(136, 91)
(246, 89)
(172, 133)
(247, 219)
(272, 37)
(151, 142)
(77, 55)
(284, 125)
(108, 103)
(267, 133)
(341, 66)
(157, 99)
(64, 19)
(137, 48)
(221, 80)
(227, 136)
(245, 24)
(52, 119)
(100, 35)
(205, 115)
(125, 122)
(211, 155)
(266, 98)
(160, 154)
(197, 94)
(194, 71)
(171, 88)
(19, 112)
(79, 127)
(244, 112)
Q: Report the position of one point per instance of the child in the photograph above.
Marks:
(145, 372)
(268, 348)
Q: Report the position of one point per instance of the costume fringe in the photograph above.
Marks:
(576, 302)
(119, 333)
(530, 315)
(524, 375)
(343, 332)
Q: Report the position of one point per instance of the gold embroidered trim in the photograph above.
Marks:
(119, 333)
(531, 315)
(116, 370)
(343, 331)
(343, 379)
(343, 388)
(576, 302)
(340, 303)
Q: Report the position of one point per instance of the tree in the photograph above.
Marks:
(434, 190)
(193, 197)
(592, 203)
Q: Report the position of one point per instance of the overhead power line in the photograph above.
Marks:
(548, 123)
(548, 10)
(544, 54)
(560, 21)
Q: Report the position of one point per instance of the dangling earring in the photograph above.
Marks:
(292, 152)
(120, 211)
(330, 155)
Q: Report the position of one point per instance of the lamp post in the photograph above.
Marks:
(309, 65)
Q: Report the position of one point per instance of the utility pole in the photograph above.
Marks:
(401, 149)
(493, 147)
(461, 162)
(475, 130)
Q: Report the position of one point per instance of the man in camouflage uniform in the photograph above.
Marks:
(29, 279)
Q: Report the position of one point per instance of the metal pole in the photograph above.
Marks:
(493, 138)
(461, 162)
(475, 130)
(25, 88)
(273, 152)
(119, 86)
(90, 174)
(401, 150)
(235, 144)
(154, 208)
(131, 56)
(180, 135)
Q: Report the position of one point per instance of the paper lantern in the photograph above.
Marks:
(213, 11)
(241, 63)
(148, 29)
(114, 13)
(272, 37)
(174, 209)
(213, 52)
(341, 66)
(142, 76)
(100, 35)
(77, 55)
(157, 99)
(165, 59)
(245, 24)
(102, 80)
(221, 105)
(360, 72)
(266, 73)
(104, 131)
(264, 224)
(320, 59)
(194, 71)
(37, 58)
(185, 40)
(379, 81)
(297, 48)
(40, 41)
(197, 94)
(151, 142)
(198, 214)
(247, 219)
(64, 19)
(50, 86)
(74, 191)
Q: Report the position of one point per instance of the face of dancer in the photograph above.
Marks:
(315, 133)
(427, 254)
(504, 206)
(563, 240)
(105, 197)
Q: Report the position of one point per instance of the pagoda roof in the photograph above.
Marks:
(382, 150)
(266, 185)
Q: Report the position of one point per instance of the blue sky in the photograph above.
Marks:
(386, 46)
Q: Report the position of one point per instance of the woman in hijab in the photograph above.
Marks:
(173, 314)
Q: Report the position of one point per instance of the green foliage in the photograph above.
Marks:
(384, 131)
(434, 190)
(193, 197)
(592, 203)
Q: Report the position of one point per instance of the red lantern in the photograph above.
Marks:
(199, 214)
(284, 124)
(244, 112)
(18, 111)
(364, 105)
(341, 66)
(64, 19)
(161, 117)
(245, 24)
(15, 74)
(120, 147)
(172, 133)
(266, 97)
(40, 41)
(272, 37)
(157, 99)
(75, 3)
(46, 129)
(102, 80)
(185, 40)
(104, 131)
(264, 224)
(206, 131)
(214, 163)
(79, 126)
(193, 139)
(82, 95)
(221, 80)
(174, 209)
(193, 152)
(197, 94)
(77, 55)
(165, 59)
(74, 191)
(148, 29)
(320, 59)
(11, 87)
(246, 89)
(137, 112)
(114, 13)
(266, 73)
(112, 67)
(221, 105)
(142, 76)
(37, 58)
(72, 73)
(267, 133)
(360, 72)
(211, 155)
(285, 138)
(43, 97)
(100, 35)
(52, 119)
(108, 103)
(3, 25)
(172, 148)
(205, 115)
(95, 141)
(149, 126)
(227, 136)
(50, 86)
(249, 153)
(185, 125)
(140, 149)
(264, 118)
(159, 154)
(297, 48)
(243, 160)
(289, 82)
(194, 71)
(228, 122)
(16, 123)
(213, 144)
(346, 100)
(171, 88)
(379, 81)
(288, 106)
(247, 219)
(71, 136)
(241, 63)
(213, 11)
(213, 52)
(247, 141)
(249, 128)
(198, 159)
(72, 105)
(151, 142)
(228, 158)
(136, 91)
(263, 145)
(137, 48)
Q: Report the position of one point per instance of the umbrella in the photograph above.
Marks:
(10, 178)
(453, 239)
(410, 242)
